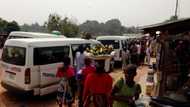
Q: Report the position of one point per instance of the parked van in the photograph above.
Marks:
(19, 34)
(117, 42)
(30, 65)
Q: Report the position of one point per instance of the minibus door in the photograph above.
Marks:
(48, 80)
(47, 68)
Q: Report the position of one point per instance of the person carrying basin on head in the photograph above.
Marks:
(98, 87)
(82, 74)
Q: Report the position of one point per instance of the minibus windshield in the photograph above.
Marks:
(114, 43)
(14, 55)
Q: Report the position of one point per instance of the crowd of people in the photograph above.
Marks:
(93, 87)
(137, 52)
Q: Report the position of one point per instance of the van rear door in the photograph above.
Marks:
(48, 59)
(13, 64)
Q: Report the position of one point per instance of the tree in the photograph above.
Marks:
(33, 28)
(132, 29)
(65, 26)
(7, 27)
(90, 26)
(113, 27)
(69, 28)
(53, 22)
(3, 25)
(12, 26)
(86, 35)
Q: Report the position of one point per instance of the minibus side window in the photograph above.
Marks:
(17, 37)
(49, 55)
(14, 55)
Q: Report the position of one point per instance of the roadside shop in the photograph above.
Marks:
(172, 58)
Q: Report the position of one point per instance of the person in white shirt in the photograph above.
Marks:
(80, 56)
(125, 57)
(138, 45)
(148, 52)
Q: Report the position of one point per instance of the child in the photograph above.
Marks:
(65, 73)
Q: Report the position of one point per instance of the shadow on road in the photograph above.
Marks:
(17, 100)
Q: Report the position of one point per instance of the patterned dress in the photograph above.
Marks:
(64, 91)
(64, 94)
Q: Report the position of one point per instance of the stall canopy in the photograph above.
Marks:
(173, 27)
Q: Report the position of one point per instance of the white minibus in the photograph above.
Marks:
(30, 65)
(117, 42)
(20, 34)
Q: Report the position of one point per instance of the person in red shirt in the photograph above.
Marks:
(98, 85)
(87, 69)
(84, 72)
(66, 87)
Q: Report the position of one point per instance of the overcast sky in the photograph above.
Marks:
(129, 12)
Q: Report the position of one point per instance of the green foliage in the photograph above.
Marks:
(93, 27)
(86, 35)
(111, 27)
(7, 27)
(3, 25)
(33, 28)
(12, 26)
(53, 22)
(69, 28)
(132, 30)
(65, 26)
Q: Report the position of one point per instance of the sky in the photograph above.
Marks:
(129, 12)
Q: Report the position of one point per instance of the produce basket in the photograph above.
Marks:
(100, 57)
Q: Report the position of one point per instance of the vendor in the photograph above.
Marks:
(98, 85)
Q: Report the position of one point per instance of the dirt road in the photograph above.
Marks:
(10, 100)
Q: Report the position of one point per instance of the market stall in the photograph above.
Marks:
(173, 59)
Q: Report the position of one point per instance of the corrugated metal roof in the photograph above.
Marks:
(172, 27)
(163, 23)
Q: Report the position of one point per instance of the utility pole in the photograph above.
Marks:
(176, 9)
